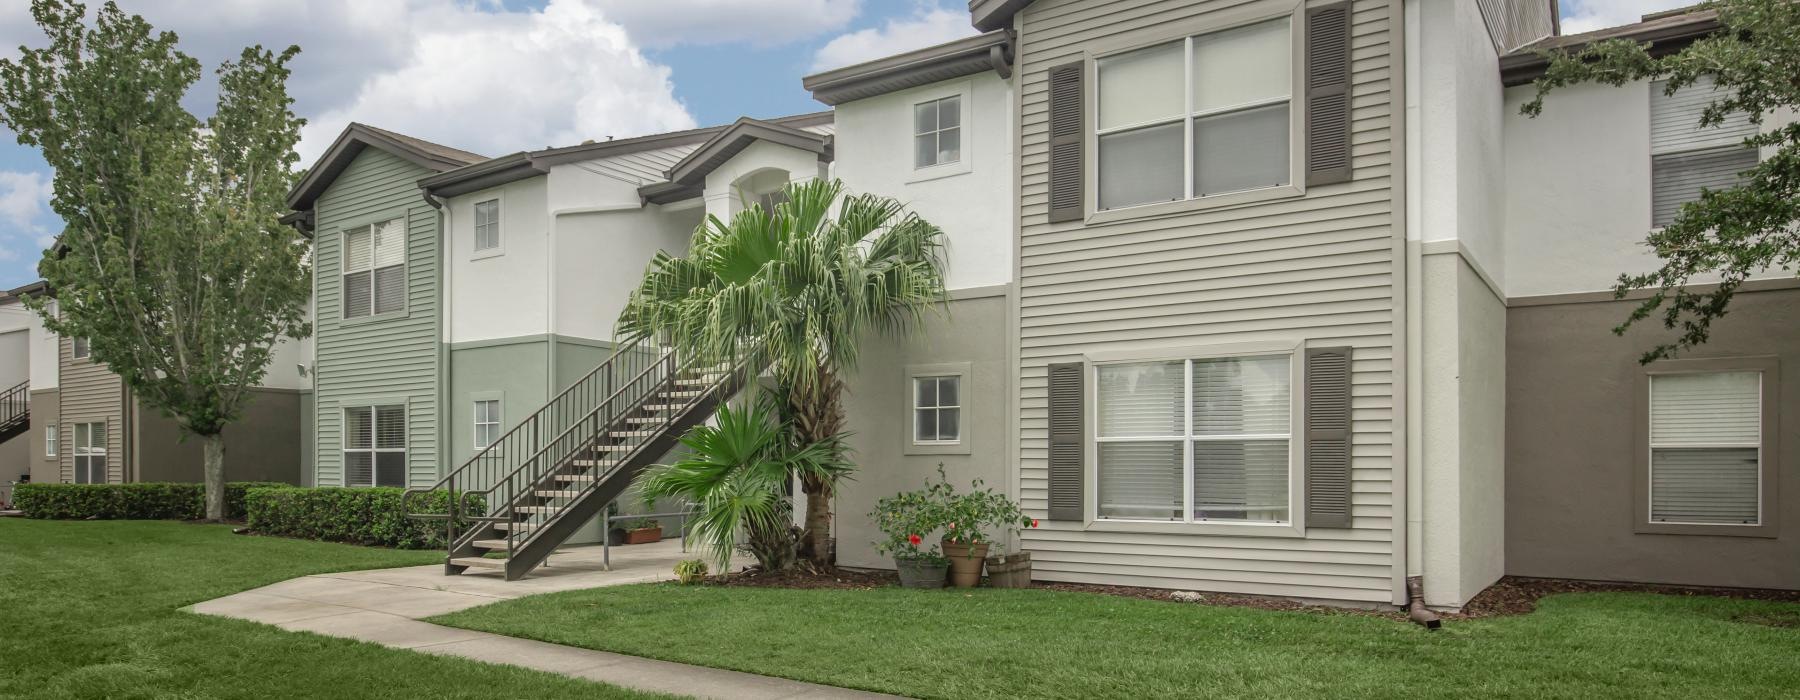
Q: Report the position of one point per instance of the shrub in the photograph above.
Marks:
(142, 501)
(365, 516)
(691, 571)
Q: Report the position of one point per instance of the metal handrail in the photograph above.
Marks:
(15, 402)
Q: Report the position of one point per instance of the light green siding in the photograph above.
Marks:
(392, 356)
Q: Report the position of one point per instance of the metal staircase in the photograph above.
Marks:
(15, 411)
(533, 488)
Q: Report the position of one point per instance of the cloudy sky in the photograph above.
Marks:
(497, 76)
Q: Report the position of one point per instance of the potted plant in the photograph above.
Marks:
(967, 517)
(690, 571)
(904, 520)
(643, 531)
(1011, 569)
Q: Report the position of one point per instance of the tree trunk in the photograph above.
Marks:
(818, 414)
(215, 477)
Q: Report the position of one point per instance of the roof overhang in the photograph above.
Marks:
(691, 171)
(301, 220)
(968, 56)
(14, 295)
(988, 15)
(483, 175)
(1666, 34)
(351, 143)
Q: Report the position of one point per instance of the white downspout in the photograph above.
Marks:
(1413, 374)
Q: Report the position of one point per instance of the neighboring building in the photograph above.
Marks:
(16, 323)
(87, 428)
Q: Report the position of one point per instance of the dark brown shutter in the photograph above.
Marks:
(1328, 94)
(1067, 476)
(1328, 437)
(1066, 134)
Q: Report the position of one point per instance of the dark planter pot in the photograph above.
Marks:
(644, 535)
(615, 536)
(1010, 570)
(965, 562)
(921, 573)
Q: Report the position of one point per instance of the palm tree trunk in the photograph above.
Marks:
(818, 414)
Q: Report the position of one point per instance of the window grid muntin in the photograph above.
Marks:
(487, 225)
(50, 440)
(1188, 439)
(937, 106)
(1761, 455)
(1189, 114)
(937, 408)
(90, 456)
(487, 422)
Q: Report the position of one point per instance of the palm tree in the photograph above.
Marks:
(801, 285)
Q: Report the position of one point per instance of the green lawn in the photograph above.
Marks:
(1013, 643)
(91, 610)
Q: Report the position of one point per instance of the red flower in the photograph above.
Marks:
(1034, 522)
(914, 539)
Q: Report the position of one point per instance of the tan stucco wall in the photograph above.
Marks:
(263, 445)
(1570, 460)
(46, 407)
(880, 416)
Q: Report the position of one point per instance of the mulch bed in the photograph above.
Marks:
(1509, 596)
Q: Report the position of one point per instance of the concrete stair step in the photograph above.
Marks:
(516, 526)
(646, 420)
(664, 407)
(538, 509)
(614, 448)
(602, 463)
(489, 544)
(576, 478)
(548, 493)
(680, 394)
(482, 562)
(634, 433)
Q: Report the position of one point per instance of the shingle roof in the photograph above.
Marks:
(1666, 33)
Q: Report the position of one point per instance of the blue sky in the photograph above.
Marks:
(496, 76)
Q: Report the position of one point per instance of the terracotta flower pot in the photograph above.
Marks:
(965, 562)
(921, 573)
(1010, 570)
(643, 535)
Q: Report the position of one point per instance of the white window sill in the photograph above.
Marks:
(1187, 206)
(940, 171)
(488, 253)
(1220, 529)
(373, 318)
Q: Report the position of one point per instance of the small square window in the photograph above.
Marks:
(937, 132)
(487, 225)
(79, 348)
(375, 445)
(487, 422)
(937, 410)
(50, 440)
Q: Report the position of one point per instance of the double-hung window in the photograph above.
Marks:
(1686, 158)
(487, 225)
(1195, 440)
(90, 453)
(937, 132)
(937, 410)
(1205, 115)
(1706, 448)
(78, 348)
(487, 422)
(50, 440)
(375, 269)
(375, 445)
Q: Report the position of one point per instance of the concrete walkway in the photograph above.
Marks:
(384, 606)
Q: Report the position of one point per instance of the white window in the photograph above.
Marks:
(487, 422)
(78, 348)
(1686, 158)
(1706, 448)
(487, 225)
(937, 410)
(1195, 440)
(90, 453)
(50, 440)
(937, 132)
(375, 269)
(375, 445)
(1205, 115)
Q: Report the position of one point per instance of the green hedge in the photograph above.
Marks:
(365, 516)
(141, 501)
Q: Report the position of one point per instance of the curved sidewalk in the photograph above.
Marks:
(384, 606)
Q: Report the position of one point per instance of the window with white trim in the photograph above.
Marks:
(50, 440)
(487, 225)
(937, 410)
(1686, 158)
(1196, 440)
(79, 348)
(1706, 447)
(90, 453)
(937, 132)
(1205, 115)
(375, 445)
(487, 422)
(375, 269)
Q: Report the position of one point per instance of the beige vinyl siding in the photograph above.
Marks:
(1318, 267)
(89, 393)
(388, 356)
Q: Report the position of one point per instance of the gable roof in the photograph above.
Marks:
(353, 140)
(1666, 32)
(953, 59)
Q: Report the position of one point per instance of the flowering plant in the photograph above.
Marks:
(904, 520)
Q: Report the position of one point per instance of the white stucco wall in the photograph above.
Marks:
(15, 356)
(967, 200)
(601, 256)
(758, 157)
(500, 294)
(44, 373)
(1455, 111)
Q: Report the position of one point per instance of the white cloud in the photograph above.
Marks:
(1588, 15)
(23, 197)
(662, 23)
(500, 82)
(928, 27)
